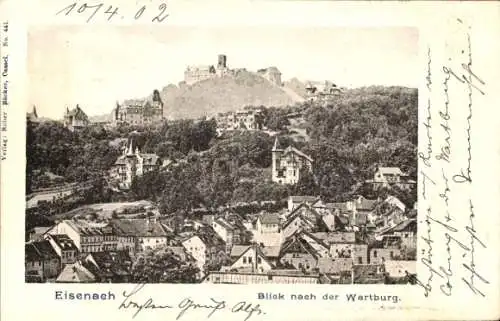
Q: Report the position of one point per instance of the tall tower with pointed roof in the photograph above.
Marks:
(276, 152)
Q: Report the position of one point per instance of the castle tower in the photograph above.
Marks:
(276, 152)
(222, 62)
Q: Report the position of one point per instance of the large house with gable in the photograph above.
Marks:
(132, 164)
(75, 119)
(287, 164)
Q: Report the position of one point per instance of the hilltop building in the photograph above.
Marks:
(75, 119)
(133, 163)
(287, 164)
(194, 74)
(322, 91)
(197, 73)
(139, 111)
(240, 120)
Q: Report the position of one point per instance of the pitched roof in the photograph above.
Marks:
(225, 224)
(111, 262)
(77, 112)
(297, 239)
(293, 150)
(336, 237)
(138, 228)
(390, 170)
(39, 230)
(63, 241)
(300, 209)
(395, 202)
(122, 160)
(394, 267)
(209, 239)
(85, 227)
(271, 251)
(258, 251)
(269, 218)
(330, 221)
(292, 218)
(111, 257)
(75, 273)
(277, 146)
(337, 206)
(39, 251)
(237, 250)
(150, 159)
(365, 204)
(334, 266)
(402, 226)
(303, 198)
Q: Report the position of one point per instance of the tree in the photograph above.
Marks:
(307, 184)
(162, 266)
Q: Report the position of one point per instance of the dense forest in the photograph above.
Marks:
(347, 139)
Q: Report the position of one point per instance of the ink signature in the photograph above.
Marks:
(131, 302)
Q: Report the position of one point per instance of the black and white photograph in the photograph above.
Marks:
(244, 155)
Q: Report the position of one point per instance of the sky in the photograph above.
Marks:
(97, 66)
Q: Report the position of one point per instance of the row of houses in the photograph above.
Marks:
(311, 240)
(249, 119)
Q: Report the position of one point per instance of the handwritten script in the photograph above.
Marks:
(136, 304)
(91, 11)
(447, 175)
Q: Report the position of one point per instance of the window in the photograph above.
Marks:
(250, 259)
(392, 254)
(244, 260)
(360, 260)
(374, 253)
(259, 260)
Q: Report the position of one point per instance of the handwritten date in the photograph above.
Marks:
(111, 13)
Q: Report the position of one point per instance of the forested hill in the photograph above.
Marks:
(358, 131)
(228, 93)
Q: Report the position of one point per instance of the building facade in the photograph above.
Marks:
(64, 247)
(75, 119)
(131, 164)
(88, 236)
(391, 176)
(41, 261)
(139, 111)
(194, 74)
(287, 164)
(240, 120)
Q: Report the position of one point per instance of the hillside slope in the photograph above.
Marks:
(228, 93)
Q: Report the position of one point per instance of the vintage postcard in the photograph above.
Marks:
(250, 160)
